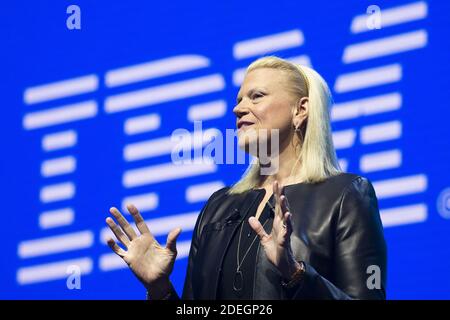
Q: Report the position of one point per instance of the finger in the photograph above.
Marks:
(288, 222)
(115, 247)
(276, 188)
(172, 240)
(129, 231)
(276, 192)
(258, 228)
(140, 223)
(288, 206)
(284, 205)
(118, 232)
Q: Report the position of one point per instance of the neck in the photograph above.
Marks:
(287, 159)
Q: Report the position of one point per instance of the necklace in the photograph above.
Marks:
(238, 280)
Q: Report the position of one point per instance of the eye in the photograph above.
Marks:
(257, 95)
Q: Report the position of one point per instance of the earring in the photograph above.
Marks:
(299, 131)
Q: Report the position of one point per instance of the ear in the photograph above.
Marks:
(301, 111)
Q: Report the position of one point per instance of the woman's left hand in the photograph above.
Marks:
(277, 244)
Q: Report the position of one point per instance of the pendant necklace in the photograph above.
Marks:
(238, 280)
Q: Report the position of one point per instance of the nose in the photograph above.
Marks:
(239, 110)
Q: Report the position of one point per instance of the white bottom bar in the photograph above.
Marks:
(52, 271)
(56, 244)
(381, 132)
(400, 186)
(367, 106)
(368, 78)
(344, 139)
(60, 115)
(57, 192)
(207, 111)
(144, 202)
(202, 192)
(56, 218)
(166, 172)
(59, 140)
(142, 124)
(58, 166)
(381, 161)
(404, 215)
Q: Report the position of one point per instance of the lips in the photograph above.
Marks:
(244, 124)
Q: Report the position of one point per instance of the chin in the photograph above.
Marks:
(249, 141)
(244, 144)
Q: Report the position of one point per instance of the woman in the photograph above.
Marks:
(305, 231)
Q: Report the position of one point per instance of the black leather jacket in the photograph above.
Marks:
(337, 234)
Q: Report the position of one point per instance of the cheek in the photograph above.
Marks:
(275, 116)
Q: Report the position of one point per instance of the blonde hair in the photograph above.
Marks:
(317, 155)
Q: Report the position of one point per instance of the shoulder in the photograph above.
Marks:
(355, 185)
(358, 203)
(209, 208)
(347, 184)
(335, 187)
(215, 199)
(219, 194)
(346, 180)
(350, 187)
(343, 194)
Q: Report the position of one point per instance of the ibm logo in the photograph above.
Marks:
(127, 90)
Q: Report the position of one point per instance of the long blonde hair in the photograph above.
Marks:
(317, 155)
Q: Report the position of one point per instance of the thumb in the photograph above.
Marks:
(258, 228)
(172, 239)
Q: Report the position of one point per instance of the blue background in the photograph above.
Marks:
(37, 48)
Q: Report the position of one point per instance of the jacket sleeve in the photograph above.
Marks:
(188, 287)
(359, 269)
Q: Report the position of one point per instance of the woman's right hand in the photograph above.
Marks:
(150, 262)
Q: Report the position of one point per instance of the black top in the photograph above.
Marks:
(233, 285)
(337, 233)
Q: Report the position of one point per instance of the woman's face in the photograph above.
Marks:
(263, 102)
